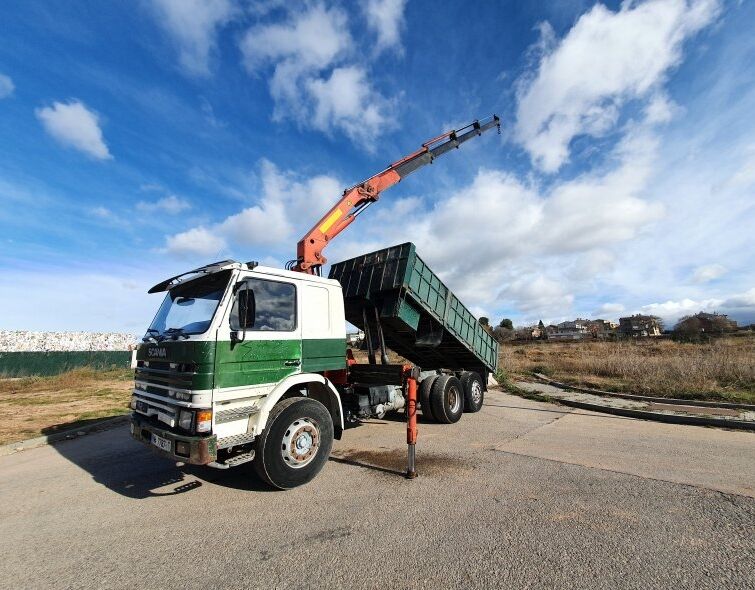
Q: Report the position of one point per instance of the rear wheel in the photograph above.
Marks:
(447, 399)
(474, 394)
(425, 387)
(295, 444)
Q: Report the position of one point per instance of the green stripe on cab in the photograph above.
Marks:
(323, 354)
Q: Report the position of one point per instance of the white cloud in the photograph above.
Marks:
(194, 25)
(386, 19)
(610, 309)
(537, 295)
(347, 100)
(660, 109)
(170, 204)
(708, 272)
(740, 305)
(101, 212)
(310, 40)
(311, 81)
(6, 86)
(284, 208)
(744, 177)
(606, 59)
(74, 125)
(198, 241)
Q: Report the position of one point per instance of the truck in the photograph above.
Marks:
(245, 363)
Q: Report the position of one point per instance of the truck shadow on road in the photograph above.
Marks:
(127, 468)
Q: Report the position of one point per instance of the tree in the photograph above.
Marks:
(485, 323)
(503, 334)
(701, 326)
(689, 329)
(506, 323)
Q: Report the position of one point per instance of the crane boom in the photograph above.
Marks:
(309, 256)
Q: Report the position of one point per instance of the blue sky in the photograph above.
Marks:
(140, 139)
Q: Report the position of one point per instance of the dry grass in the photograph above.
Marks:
(721, 369)
(32, 406)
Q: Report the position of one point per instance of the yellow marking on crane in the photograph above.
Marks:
(332, 218)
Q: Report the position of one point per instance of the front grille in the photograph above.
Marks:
(166, 378)
(173, 367)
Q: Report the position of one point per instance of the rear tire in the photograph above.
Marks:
(474, 393)
(295, 444)
(425, 387)
(447, 399)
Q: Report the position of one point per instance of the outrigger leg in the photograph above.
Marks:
(411, 422)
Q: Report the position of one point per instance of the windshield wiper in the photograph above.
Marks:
(175, 333)
(151, 331)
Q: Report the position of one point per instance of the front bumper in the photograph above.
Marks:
(201, 449)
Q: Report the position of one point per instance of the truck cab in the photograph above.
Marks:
(228, 343)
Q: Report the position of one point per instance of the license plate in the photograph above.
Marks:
(161, 443)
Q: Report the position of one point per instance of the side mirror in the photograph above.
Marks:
(242, 314)
(247, 308)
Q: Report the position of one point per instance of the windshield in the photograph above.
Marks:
(188, 309)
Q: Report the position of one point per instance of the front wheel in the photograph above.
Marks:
(295, 444)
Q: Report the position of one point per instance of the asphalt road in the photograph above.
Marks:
(521, 495)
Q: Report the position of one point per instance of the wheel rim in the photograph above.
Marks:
(476, 392)
(300, 443)
(454, 400)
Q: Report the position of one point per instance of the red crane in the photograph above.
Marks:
(309, 251)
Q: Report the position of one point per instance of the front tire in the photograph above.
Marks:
(295, 444)
(447, 399)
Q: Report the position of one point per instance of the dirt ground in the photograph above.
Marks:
(722, 369)
(33, 406)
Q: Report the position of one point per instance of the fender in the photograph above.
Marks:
(336, 408)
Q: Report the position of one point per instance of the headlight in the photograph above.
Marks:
(133, 402)
(204, 420)
(184, 419)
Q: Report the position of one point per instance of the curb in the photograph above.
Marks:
(643, 415)
(644, 398)
(71, 433)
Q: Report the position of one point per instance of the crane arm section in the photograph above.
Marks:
(309, 251)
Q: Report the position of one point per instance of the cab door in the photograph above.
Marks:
(263, 344)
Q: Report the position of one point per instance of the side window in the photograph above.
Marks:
(274, 306)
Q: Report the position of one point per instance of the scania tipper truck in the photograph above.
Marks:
(245, 363)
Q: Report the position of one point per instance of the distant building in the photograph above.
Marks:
(527, 333)
(571, 330)
(602, 329)
(355, 338)
(639, 325)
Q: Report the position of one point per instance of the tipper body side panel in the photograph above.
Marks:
(422, 320)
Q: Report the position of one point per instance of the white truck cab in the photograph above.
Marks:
(230, 341)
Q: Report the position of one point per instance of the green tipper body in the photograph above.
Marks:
(422, 319)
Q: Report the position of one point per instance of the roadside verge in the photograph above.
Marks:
(661, 411)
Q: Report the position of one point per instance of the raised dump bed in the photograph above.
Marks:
(422, 320)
